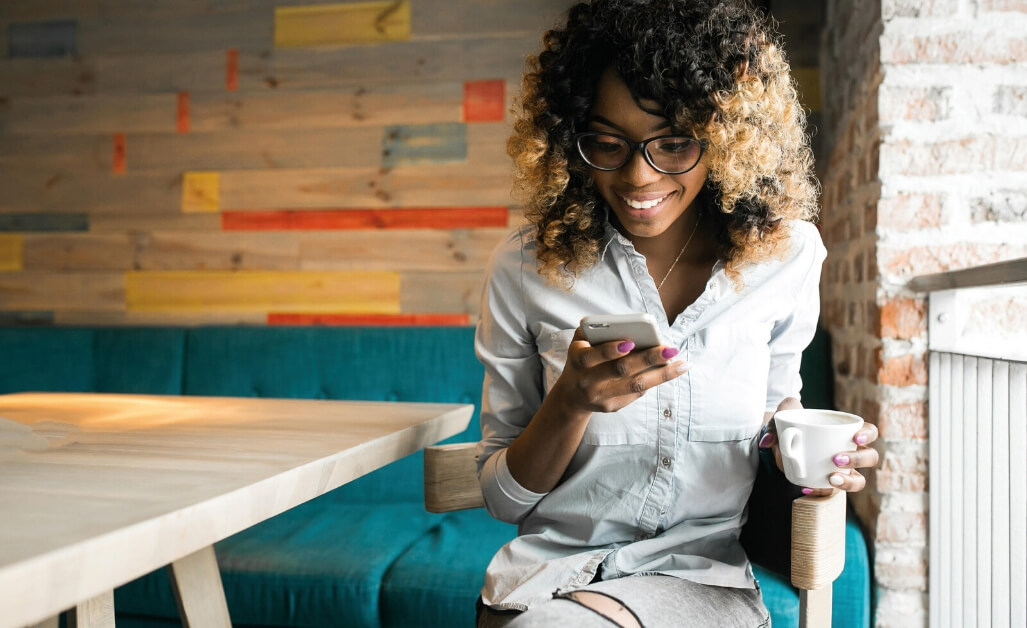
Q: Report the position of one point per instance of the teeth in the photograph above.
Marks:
(643, 204)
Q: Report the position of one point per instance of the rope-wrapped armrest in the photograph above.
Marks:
(818, 554)
(451, 478)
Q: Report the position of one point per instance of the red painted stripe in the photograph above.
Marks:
(232, 70)
(353, 219)
(436, 320)
(183, 112)
(484, 101)
(119, 157)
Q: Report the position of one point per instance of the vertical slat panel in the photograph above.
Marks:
(1018, 494)
(945, 489)
(1000, 496)
(936, 465)
(984, 485)
(969, 471)
(955, 513)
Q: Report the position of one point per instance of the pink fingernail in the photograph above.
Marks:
(861, 439)
(626, 346)
(766, 441)
(841, 460)
(807, 491)
(669, 353)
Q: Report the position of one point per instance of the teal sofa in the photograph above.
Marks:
(366, 554)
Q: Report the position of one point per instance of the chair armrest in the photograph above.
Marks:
(818, 540)
(451, 478)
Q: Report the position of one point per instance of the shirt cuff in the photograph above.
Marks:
(514, 501)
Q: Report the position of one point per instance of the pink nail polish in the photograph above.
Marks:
(766, 441)
(669, 353)
(841, 460)
(807, 491)
(861, 439)
(626, 346)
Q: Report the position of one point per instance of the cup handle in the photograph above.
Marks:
(791, 449)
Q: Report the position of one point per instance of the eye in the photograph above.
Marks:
(607, 146)
(676, 146)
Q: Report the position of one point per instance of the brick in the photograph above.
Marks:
(983, 153)
(910, 211)
(901, 608)
(970, 47)
(918, 8)
(924, 260)
(1000, 206)
(903, 318)
(901, 482)
(873, 319)
(1004, 5)
(1011, 100)
(917, 104)
(906, 370)
(903, 421)
(900, 568)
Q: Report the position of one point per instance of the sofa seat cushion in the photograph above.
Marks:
(437, 580)
(320, 564)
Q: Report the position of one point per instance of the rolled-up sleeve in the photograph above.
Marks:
(512, 390)
(794, 331)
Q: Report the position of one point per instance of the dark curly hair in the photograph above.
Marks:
(718, 72)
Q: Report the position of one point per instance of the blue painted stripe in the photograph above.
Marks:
(445, 142)
(26, 319)
(53, 38)
(44, 222)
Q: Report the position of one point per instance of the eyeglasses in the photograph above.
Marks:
(669, 154)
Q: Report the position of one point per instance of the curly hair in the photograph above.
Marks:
(719, 73)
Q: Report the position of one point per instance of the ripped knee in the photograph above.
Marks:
(605, 605)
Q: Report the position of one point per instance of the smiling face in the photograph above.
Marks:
(646, 203)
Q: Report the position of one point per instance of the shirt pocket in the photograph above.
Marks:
(732, 371)
(627, 426)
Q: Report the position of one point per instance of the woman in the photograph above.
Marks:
(661, 152)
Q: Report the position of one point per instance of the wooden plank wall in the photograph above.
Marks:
(255, 161)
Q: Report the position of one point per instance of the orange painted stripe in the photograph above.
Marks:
(484, 101)
(232, 70)
(119, 157)
(390, 320)
(353, 219)
(183, 112)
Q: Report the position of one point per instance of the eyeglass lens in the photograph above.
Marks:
(669, 154)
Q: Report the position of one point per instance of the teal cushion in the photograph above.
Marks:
(436, 582)
(320, 564)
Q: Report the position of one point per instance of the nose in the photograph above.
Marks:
(638, 172)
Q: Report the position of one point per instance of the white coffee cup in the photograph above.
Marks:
(809, 440)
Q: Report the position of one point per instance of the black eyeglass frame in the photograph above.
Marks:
(638, 146)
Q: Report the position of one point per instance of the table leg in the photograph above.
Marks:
(196, 582)
(97, 612)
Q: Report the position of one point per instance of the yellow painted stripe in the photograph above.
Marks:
(11, 249)
(338, 24)
(808, 80)
(260, 291)
(201, 192)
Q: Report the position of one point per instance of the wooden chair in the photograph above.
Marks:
(818, 526)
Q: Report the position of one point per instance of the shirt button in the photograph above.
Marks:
(666, 462)
(667, 413)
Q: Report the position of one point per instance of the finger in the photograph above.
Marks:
(866, 435)
(587, 356)
(860, 459)
(852, 481)
(640, 382)
(817, 492)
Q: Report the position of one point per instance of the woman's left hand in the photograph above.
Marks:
(862, 457)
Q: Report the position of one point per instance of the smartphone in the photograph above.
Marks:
(639, 328)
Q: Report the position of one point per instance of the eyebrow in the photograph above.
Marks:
(600, 119)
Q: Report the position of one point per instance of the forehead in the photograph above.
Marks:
(615, 103)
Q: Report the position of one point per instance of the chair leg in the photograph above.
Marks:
(815, 607)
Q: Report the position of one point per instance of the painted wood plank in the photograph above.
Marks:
(182, 113)
(313, 292)
(176, 221)
(1017, 494)
(484, 101)
(74, 318)
(377, 320)
(46, 77)
(79, 252)
(191, 250)
(58, 291)
(968, 442)
(44, 222)
(350, 219)
(46, 191)
(1000, 491)
(249, 28)
(342, 24)
(51, 38)
(11, 250)
(984, 489)
(119, 154)
(95, 114)
(441, 292)
(442, 18)
(201, 192)
(424, 143)
(25, 319)
(232, 69)
(463, 250)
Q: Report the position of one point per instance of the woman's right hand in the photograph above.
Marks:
(607, 377)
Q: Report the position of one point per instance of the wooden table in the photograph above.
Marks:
(97, 489)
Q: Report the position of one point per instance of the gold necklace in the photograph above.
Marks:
(680, 253)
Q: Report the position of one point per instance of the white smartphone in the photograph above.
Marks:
(640, 328)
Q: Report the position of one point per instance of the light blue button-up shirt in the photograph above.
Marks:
(659, 486)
